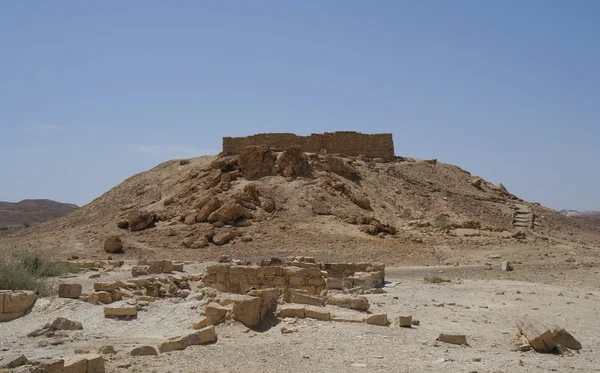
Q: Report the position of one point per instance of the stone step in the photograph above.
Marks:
(522, 225)
(523, 213)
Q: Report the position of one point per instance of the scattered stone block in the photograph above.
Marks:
(15, 303)
(103, 297)
(456, 339)
(377, 319)
(302, 298)
(563, 338)
(405, 321)
(291, 310)
(246, 309)
(60, 323)
(144, 351)
(120, 311)
(506, 267)
(317, 313)
(107, 350)
(202, 336)
(137, 271)
(213, 314)
(72, 291)
(49, 365)
(537, 334)
(87, 363)
(12, 361)
(105, 286)
(359, 303)
(178, 266)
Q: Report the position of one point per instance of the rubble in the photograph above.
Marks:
(544, 339)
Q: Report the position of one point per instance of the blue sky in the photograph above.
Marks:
(93, 92)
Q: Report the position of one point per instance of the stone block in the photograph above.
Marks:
(12, 361)
(405, 321)
(537, 334)
(49, 365)
(120, 311)
(296, 280)
(456, 339)
(86, 363)
(137, 271)
(377, 319)
(359, 303)
(144, 351)
(202, 336)
(104, 286)
(18, 301)
(297, 297)
(246, 309)
(317, 313)
(103, 297)
(72, 291)
(291, 310)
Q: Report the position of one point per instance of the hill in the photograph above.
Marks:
(588, 217)
(16, 215)
(268, 202)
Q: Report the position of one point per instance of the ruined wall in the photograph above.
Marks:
(379, 145)
(312, 277)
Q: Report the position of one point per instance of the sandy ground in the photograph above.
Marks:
(482, 304)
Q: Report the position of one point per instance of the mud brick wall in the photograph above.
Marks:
(350, 143)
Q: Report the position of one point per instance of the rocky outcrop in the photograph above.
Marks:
(139, 220)
(340, 167)
(229, 213)
(208, 208)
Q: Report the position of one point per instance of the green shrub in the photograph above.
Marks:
(28, 270)
(442, 221)
(435, 280)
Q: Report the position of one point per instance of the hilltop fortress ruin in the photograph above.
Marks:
(351, 143)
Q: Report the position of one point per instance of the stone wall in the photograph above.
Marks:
(311, 277)
(350, 143)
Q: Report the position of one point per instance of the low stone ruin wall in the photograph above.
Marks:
(380, 145)
(310, 277)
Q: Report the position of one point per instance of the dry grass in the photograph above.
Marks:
(435, 280)
(28, 270)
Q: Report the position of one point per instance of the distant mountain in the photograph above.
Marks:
(17, 215)
(570, 212)
(589, 217)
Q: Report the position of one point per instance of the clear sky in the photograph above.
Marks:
(92, 92)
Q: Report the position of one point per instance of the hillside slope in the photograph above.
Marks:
(16, 215)
(268, 202)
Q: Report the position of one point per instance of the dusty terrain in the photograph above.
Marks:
(484, 304)
(420, 218)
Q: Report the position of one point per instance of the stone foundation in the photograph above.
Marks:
(312, 278)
